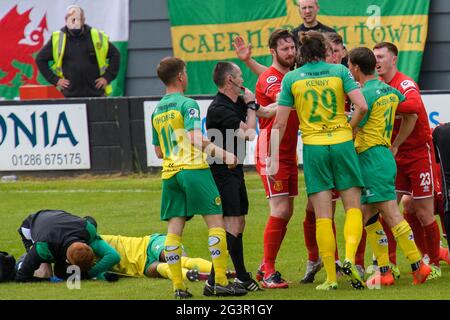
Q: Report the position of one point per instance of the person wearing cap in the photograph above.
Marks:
(56, 236)
(82, 60)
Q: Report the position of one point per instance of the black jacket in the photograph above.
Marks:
(302, 28)
(46, 236)
(79, 65)
(441, 140)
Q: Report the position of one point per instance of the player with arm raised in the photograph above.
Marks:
(317, 92)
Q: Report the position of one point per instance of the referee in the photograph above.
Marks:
(230, 121)
(441, 139)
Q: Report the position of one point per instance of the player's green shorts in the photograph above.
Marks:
(331, 167)
(379, 170)
(190, 192)
(155, 247)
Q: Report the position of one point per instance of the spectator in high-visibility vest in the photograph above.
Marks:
(82, 60)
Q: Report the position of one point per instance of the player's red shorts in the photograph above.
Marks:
(335, 195)
(283, 183)
(416, 174)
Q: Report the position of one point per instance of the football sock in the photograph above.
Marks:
(164, 271)
(284, 232)
(236, 250)
(200, 264)
(447, 226)
(360, 252)
(392, 243)
(212, 276)
(273, 234)
(326, 243)
(416, 227)
(336, 253)
(442, 219)
(379, 243)
(432, 240)
(405, 238)
(219, 254)
(352, 232)
(309, 232)
(172, 251)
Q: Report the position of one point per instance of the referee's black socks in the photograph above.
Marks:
(236, 250)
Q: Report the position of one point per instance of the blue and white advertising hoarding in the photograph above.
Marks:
(44, 137)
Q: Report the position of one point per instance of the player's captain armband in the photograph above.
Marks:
(407, 84)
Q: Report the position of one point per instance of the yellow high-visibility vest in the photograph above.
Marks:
(101, 45)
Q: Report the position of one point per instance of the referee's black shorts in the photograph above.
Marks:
(231, 185)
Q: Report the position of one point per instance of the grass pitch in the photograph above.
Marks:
(130, 206)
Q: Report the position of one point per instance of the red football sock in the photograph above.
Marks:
(392, 244)
(441, 216)
(284, 232)
(336, 253)
(309, 232)
(273, 235)
(359, 257)
(416, 227)
(432, 240)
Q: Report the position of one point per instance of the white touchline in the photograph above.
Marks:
(98, 191)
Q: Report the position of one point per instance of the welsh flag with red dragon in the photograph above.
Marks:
(26, 25)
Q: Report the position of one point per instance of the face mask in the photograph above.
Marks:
(75, 32)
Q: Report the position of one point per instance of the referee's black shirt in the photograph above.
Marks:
(225, 114)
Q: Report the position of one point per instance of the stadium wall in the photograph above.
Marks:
(65, 137)
(150, 41)
(104, 135)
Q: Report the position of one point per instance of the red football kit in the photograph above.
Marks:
(415, 157)
(285, 181)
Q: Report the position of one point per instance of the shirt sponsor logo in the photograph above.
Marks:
(407, 84)
(212, 241)
(272, 79)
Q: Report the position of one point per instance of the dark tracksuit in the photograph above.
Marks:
(441, 140)
(47, 235)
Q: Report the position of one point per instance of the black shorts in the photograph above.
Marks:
(446, 192)
(231, 185)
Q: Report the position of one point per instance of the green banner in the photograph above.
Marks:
(203, 31)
